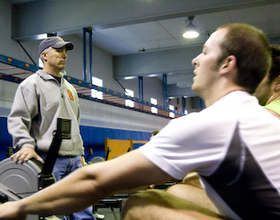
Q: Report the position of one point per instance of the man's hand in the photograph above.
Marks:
(8, 211)
(26, 153)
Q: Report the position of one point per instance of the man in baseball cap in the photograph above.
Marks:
(54, 42)
(34, 114)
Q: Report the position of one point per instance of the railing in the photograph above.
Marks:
(14, 70)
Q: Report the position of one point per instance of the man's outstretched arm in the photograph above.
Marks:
(87, 186)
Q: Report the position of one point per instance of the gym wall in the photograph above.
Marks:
(97, 120)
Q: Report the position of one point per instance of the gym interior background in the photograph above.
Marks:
(24, 23)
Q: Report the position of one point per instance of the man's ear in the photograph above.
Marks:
(228, 64)
(277, 84)
(43, 54)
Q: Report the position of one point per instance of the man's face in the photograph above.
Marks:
(56, 58)
(206, 64)
(264, 90)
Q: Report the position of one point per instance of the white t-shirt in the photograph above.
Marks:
(234, 145)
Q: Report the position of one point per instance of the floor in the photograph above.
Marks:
(109, 215)
(114, 213)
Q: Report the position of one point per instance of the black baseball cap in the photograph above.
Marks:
(54, 42)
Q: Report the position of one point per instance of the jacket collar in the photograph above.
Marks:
(45, 75)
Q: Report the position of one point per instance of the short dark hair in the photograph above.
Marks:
(275, 65)
(251, 48)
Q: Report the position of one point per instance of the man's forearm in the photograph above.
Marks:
(87, 185)
(62, 197)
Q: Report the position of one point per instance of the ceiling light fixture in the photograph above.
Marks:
(191, 31)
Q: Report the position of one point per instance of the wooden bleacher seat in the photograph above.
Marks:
(115, 148)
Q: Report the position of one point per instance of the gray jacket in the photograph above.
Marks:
(38, 102)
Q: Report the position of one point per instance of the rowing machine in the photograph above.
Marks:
(20, 180)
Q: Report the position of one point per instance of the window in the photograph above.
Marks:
(94, 93)
(128, 102)
(40, 63)
(171, 114)
(154, 109)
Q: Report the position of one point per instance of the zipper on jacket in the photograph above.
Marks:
(61, 90)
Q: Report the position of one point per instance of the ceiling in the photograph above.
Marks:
(151, 35)
(167, 34)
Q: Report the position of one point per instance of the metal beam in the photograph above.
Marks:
(140, 85)
(85, 31)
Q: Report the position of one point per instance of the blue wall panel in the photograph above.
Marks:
(93, 137)
(5, 138)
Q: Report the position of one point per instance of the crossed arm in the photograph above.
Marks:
(87, 186)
